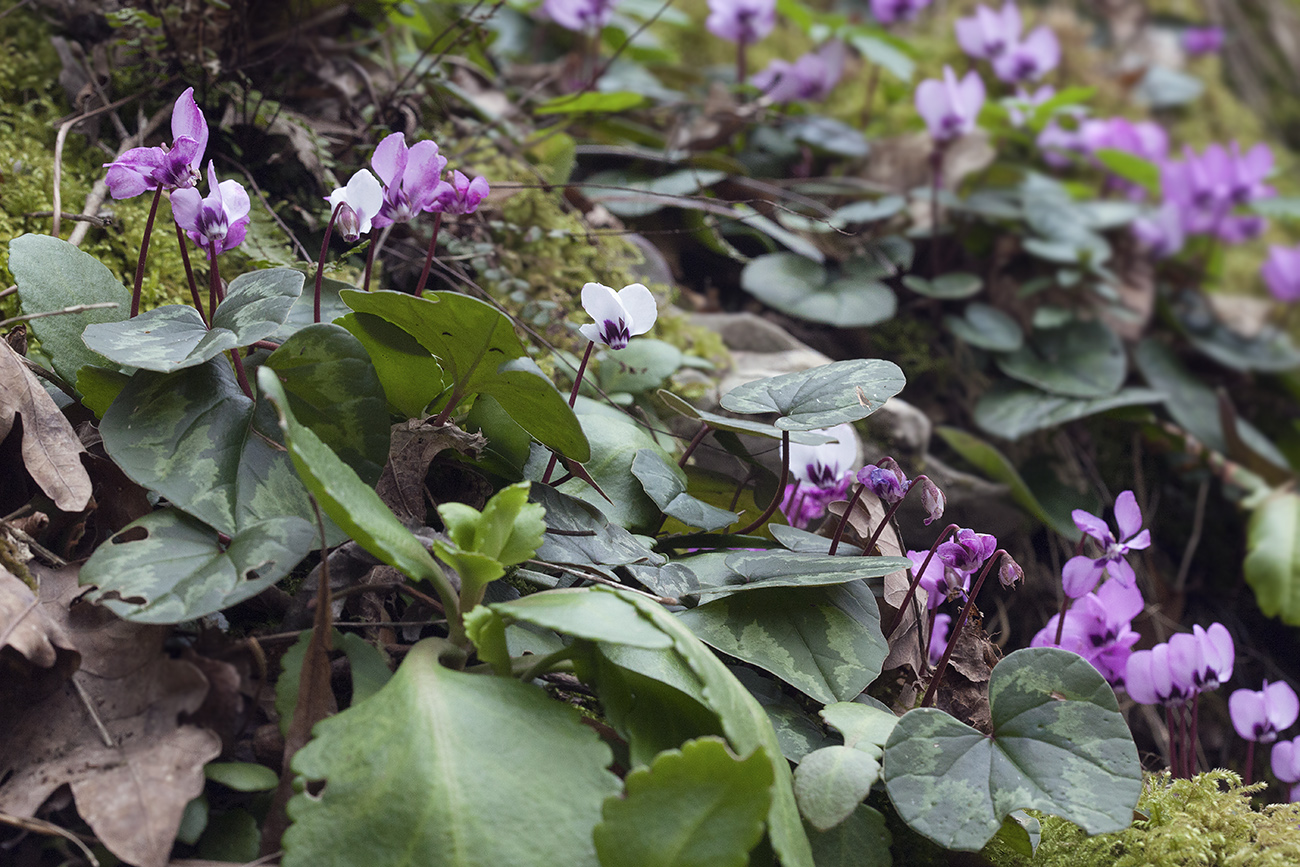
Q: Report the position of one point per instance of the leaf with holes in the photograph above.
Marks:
(843, 391)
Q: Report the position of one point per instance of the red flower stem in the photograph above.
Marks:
(1250, 762)
(956, 628)
(929, 630)
(370, 261)
(144, 253)
(844, 520)
(1060, 621)
(214, 279)
(1173, 741)
(694, 444)
(871, 543)
(573, 398)
(780, 488)
(428, 260)
(189, 274)
(916, 579)
(1193, 738)
(320, 263)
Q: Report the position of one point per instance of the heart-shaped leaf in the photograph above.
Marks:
(986, 327)
(411, 376)
(864, 727)
(167, 567)
(843, 391)
(806, 289)
(1081, 359)
(831, 782)
(668, 491)
(1013, 411)
(724, 574)
(950, 287)
(583, 535)
(1059, 745)
(738, 425)
(642, 365)
(615, 442)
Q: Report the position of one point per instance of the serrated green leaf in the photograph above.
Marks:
(446, 756)
(508, 531)
(699, 806)
(842, 391)
(1059, 745)
(668, 491)
(168, 567)
(830, 783)
(488, 632)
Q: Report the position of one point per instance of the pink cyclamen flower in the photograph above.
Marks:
(743, 21)
(172, 168)
(967, 550)
(1285, 759)
(619, 315)
(1023, 105)
(1281, 273)
(583, 16)
(939, 581)
(1099, 627)
(939, 637)
(361, 200)
(988, 34)
(1202, 40)
(218, 222)
(410, 175)
(1161, 231)
(460, 195)
(950, 107)
(1081, 574)
(892, 11)
(1261, 716)
(811, 77)
(1029, 59)
(1151, 678)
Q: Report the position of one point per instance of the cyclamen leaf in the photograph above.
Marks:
(582, 614)
(861, 840)
(669, 493)
(831, 782)
(842, 391)
(1272, 552)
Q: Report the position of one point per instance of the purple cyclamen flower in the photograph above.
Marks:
(823, 474)
(967, 550)
(811, 77)
(619, 315)
(743, 21)
(1059, 142)
(1203, 657)
(939, 637)
(1261, 716)
(1099, 627)
(939, 581)
(583, 16)
(218, 222)
(1081, 574)
(1161, 231)
(172, 168)
(460, 195)
(361, 200)
(1029, 59)
(1202, 40)
(1206, 189)
(950, 107)
(1150, 678)
(892, 11)
(410, 175)
(887, 483)
(1281, 273)
(988, 34)
(933, 500)
(1285, 759)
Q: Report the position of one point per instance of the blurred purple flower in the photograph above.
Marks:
(950, 107)
(1030, 59)
(1281, 273)
(1024, 103)
(939, 637)
(744, 21)
(811, 77)
(460, 195)
(1202, 40)
(1161, 231)
(1206, 188)
(890, 485)
(891, 11)
(988, 34)
(967, 550)
(1081, 574)
(1098, 627)
(172, 168)
(410, 175)
(1285, 759)
(823, 475)
(1058, 141)
(218, 222)
(939, 580)
(1261, 716)
(583, 16)
(361, 199)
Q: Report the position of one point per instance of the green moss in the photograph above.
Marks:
(1206, 821)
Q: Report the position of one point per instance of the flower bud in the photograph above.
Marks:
(884, 482)
(932, 500)
(1009, 572)
(348, 223)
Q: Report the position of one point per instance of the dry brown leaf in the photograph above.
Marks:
(415, 443)
(50, 448)
(133, 792)
(25, 627)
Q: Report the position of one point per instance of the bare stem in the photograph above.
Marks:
(694, 444)
(320, 263)
(428, 259)
(573, 398)
(189, 275)
(144, 253)
(844, 519)
(370, 261)
(780, 488)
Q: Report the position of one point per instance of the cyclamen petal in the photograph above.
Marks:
(364, 196)
(188, 121)
(619, 315)
(824, 464)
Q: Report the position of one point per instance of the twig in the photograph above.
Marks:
(76, 308)
(94, 715)
(1198, 524)
(97, 222)
(40, 826)
(58, 173)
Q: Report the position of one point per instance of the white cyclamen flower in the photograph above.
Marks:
(619, 315)
(823, 465)
(364, 196)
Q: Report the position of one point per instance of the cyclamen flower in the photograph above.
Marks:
(1286, 765)
(619, 315)
(218, 222)
(1098, 627)
(361, 199)
(933, 500)
(1058, 141)
(1206, 189)
(1281, 273)
(939, 637)
(823, 474)
(410, 175)
(885, 481)
(892, 11)
(939, 581)
(460, 196)
(743, 21)
(967, 550)
(1150, 678)
(1161, 231)
(1261, 716)
(988, 34)
(1082, 573)
(950, 107)
(172, 168)
(1202, 40)
(1030, 59)
(811, 77)
(1204, 657)
(584, 16)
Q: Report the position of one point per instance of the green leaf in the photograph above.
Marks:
(1081, 359)
(1277, 208)
(303, 311)
(668, 491)
(1021, 833)
(411, 376)
(752, 220)
(864, 727)
(630, 195)
(830, 784)
(603, 103)
(583, 613)
(825, 642)
(174, 337)
(1059, 745)
(986, 327)
(868, 210)
(333, 389)
(615, 442)
(479, 352)
(242, 776)
(432, 764)
(996, 466)
(861, 840)
(949, 287)
(368, 663)
(345, 498)
(827, 135)
(738, 425)
(1013, 411)
(508, 531)
(843, 391)
(99, 387)
(488, 632)
(1270, 350)
(699, 806)
(806, 289)
(876, 46)
(167, 567)
(1130, 167)
(586, 536)
(1273, 556)
(194, 437)
(643, 365)
(52, 274)
(742, 571)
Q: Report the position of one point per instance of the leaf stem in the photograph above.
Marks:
(144, 253)
(916, 579)
(780, 488)
(694, 444)
(844, 519)
(320, 263)
(956, 628)
(428, 259)
(545, 663)
(573, 398)
(189, 275)
(370, 261)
